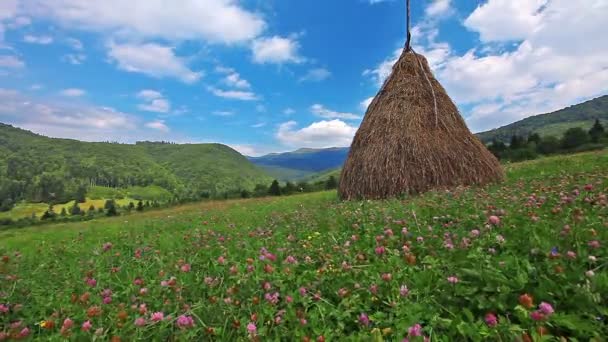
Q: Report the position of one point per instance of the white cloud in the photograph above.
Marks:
(158, 125)
(365, 103)
(75, 58)
(233, 78)
(215, 21)
(502, 20)
(69, 119)
(548, 68)
(75, 43)
(42, 40)
(258, 125)
(288, 111)
(234, 94)
(321, 111)
(11, 62)
(153, 60)
(438, 8)
(154, 101)
(316, 75)
(322, 134)
(277, 50)
(149, 94)
(73, 92)
(223, 113)
(543, 73)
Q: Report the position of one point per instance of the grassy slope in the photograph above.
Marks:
(488, 282)
(580, 115)
(252, 212)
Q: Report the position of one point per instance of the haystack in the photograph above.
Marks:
(413, 139)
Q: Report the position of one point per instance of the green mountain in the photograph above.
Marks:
(556, 123)
(41, 169)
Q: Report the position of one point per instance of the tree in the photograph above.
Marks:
(275, 189)
(49, 214)
(303, 186)
(108, 204)
(516, 142)
(596, 132)
(534, 138)
(575, 137)
(75, 209)
(331, 183)
(140, 206)
(131, 206)
(81, 194)
(260, 190)
(289, 188)
(498, 148)
(548, 145)
(64, 212)
(6, 205)
(245, 194)
(111, 209)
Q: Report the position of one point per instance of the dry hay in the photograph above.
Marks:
(413, 139)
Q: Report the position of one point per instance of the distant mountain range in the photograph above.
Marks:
(317, 164)
(302, 163)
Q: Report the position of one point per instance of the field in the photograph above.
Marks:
(22, 210)
(519, 261)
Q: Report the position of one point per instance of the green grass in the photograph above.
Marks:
(339, 263)
(558, 129)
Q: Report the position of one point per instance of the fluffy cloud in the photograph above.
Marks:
(548, 68)
(152, 59)
(320, 111)
(277, 50)
(320, 134)
(75, 58)
(215, 21)
(73, 92)
(234, 94)
(498, 20)
(365, 103)
(316, 75)
(11, 62)
(42, 40)
(158, 125)
(438, 7)
(71, 120)
(154, 101)
(233, 78)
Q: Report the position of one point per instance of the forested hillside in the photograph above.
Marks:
(41, 169)
(581, 115)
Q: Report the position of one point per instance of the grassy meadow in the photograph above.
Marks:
(519, 261)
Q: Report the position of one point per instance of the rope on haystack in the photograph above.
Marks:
(413, 139)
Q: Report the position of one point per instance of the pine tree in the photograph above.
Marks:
(64, 212)
(596, 132)
(131, 206)
(81, 194)
(275, 189)
(111, 210)
(75, 209)
(140, 206)
(331, 183)
(574, 137)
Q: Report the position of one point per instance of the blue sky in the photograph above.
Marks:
(275, 75)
